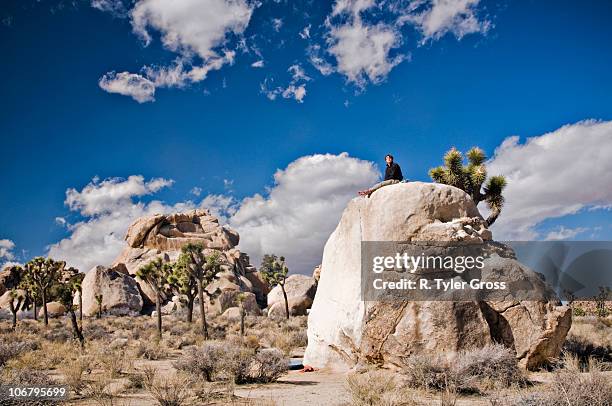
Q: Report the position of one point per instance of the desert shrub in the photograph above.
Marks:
(222, 361)
(588, 338)
(575, 389)
(95, 331)
(151, 350)
(252, 342)
(579, 311)
(73, 373)
(12, 349)
(266, 366)
(376, 388)
(113, 362)
(99, 392)
(170, 391)
(479, 370)
(205, 360)
(490, 367)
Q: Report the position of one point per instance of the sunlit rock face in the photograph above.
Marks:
(344, 330)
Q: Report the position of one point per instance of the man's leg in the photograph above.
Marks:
(378, 186)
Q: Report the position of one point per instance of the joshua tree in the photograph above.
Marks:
(274, 272)
(183, 281)
(156, 274)
(30, 290)
(44, 272)
(241, 298)
(204, 268)
(99, 299)
(16, 298)
(70, 284)
(471, 178)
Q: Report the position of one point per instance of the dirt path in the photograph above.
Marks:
(297, 388)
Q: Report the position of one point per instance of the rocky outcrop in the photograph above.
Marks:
(54, 309)
(344, 330)
(316, 273)
(163, 235)
(300, 291)
(120, 294)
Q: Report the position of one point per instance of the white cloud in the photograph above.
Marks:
(134, 85)
(111, 194)
(562, 233)
(553, 175)
(277, 24)
(258, 64)
(294, 218)
(114, 7)
(295, 92)
(365, 36)
(362, 50)
(446, 16)
(60, 221)
(191, 28)
(305, 33)
(301, 209)
(109, 207)
(6, 250)
(196, 191)
(296, 89)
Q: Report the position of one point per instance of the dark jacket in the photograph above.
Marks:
(393, 171)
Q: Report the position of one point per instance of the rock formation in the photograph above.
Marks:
(344, 330)
(163, 235)
(9, 278)
(120, 294)
(300, 290)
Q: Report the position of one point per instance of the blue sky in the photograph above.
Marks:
(490, 71)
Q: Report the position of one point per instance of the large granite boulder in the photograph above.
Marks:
(119, 290)
(344, 330)
(300, 290)
(54, 309)
(163, 235)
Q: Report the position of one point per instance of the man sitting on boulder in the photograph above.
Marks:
(393, 174)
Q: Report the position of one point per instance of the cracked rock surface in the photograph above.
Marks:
(344, 331)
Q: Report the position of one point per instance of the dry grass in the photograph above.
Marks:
(480, 370)
(169, 391)
(220, 361)
(377, 388)
(590, 337)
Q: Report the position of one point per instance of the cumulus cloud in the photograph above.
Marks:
(197, 30)
(6, 250)
(365, 37)
(553, 175)
(108, 208)
(362, 50)
(294, 218)
(440, 17)
(111, 194)
(196, 191)
(301, 210)
(134, 85)
(305, 33)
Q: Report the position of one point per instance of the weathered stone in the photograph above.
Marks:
(344, 330)
(298, 306)
(54, 309)
(120, 294)
(296, 286)
(163, 236)
(9, 278)
(316, 273)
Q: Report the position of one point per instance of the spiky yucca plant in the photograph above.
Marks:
(471, 178)
(156, 274)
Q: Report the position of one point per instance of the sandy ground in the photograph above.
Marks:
(298, 388)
